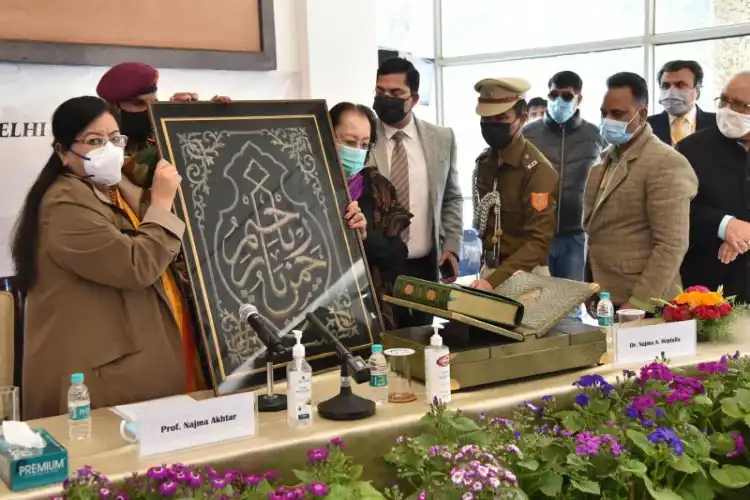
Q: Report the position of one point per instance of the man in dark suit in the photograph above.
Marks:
(680, 83)
(720, 213)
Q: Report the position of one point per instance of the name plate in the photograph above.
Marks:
(167, 429)
(642, 344)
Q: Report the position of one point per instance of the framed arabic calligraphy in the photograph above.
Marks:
(263, 197)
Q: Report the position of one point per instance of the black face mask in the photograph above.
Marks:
(135, 125)
(389, 109)
(497, 135)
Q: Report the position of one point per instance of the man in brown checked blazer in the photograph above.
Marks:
(637, 203)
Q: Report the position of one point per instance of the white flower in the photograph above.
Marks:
(457, 477)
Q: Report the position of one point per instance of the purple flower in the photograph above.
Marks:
(121, 496)
(532, 407)
(628, 374)
(482, 415)
(668, 436)
(656, 371)
(317, 489)
(270, 476)
(582, 400)
(642, 403)
(659, 413)
(337, 443)
(158, 472)
(631, 412)
(194, 478)
(594, 381)
(547, 398)
(422, 495)
(167, 488)
(713, 367)
(253, 480)
(736, 355)
(739, 445)
(218, 483)
(588, 443)
(104, 493)
(317, 455)
(467, 496)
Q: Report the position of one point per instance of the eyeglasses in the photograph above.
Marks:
(738, 106)
(566, 96)
(357, 145)
(118, 140)
(396, 94)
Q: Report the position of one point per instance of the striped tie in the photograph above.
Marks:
(400, 174)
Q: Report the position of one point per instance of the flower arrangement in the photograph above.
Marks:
(328, 473)
(712, 311)
(656, 434)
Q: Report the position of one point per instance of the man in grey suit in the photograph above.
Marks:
(420, 160)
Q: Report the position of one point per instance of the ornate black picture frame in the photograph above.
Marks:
(263, 197)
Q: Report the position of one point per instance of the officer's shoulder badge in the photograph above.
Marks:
(529, 162)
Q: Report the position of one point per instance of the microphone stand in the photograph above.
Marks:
(270, 401)
(345, 405)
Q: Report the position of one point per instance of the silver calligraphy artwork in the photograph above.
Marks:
(264, 244)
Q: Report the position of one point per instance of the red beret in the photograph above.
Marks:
(127, 80)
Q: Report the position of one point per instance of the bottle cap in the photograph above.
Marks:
(76, 378)
(436, 339)
(376, 348)
(604, 295)
(298, 351)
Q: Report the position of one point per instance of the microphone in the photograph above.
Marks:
(266, 331)
(357, 367)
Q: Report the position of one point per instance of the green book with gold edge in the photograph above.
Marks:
(469, 302)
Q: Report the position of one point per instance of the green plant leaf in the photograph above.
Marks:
(531, 465)
(464, 424)
(586, 486)
(703, 400)
(732, 476)
(551, 484)
(303, 475)
(264, 487)
(722, 444)
(355, 472)
(747, 420)
(598, 406)
(658, 494)
(366, 491)
(635, 467)
(572, 420)
(685, 464)
(428, 440)
(743, 398)
(731, 408)
(697, 488)
(641, 441)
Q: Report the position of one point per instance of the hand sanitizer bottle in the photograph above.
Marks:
(299, 386)
(437, 369)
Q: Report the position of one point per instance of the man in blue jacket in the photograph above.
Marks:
(572, 145)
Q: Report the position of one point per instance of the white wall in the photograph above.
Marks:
(336, 62)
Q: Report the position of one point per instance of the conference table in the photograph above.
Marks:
(279, 448)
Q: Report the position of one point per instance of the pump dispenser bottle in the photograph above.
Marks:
(437, 369)
(299, 386)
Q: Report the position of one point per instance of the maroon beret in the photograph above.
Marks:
(127, 80)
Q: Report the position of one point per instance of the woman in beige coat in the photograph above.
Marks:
(100, 296)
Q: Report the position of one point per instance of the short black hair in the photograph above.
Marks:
(677, 65)
(338, 110)
(395, 65)
(538, 101)
(565, 79)
(634, 82)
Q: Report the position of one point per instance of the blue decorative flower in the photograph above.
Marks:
(582, 400)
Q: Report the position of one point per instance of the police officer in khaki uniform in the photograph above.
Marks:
(514, 187)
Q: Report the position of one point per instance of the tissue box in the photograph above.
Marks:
(26, 468)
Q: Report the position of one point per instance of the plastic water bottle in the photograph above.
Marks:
(79, 409)
(378, 375)
(605, 314)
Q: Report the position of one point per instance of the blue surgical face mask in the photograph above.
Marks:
(562, 111)
(616, 132)
(352, 159)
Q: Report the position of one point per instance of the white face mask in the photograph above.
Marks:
(104, 165)
(732, 124)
